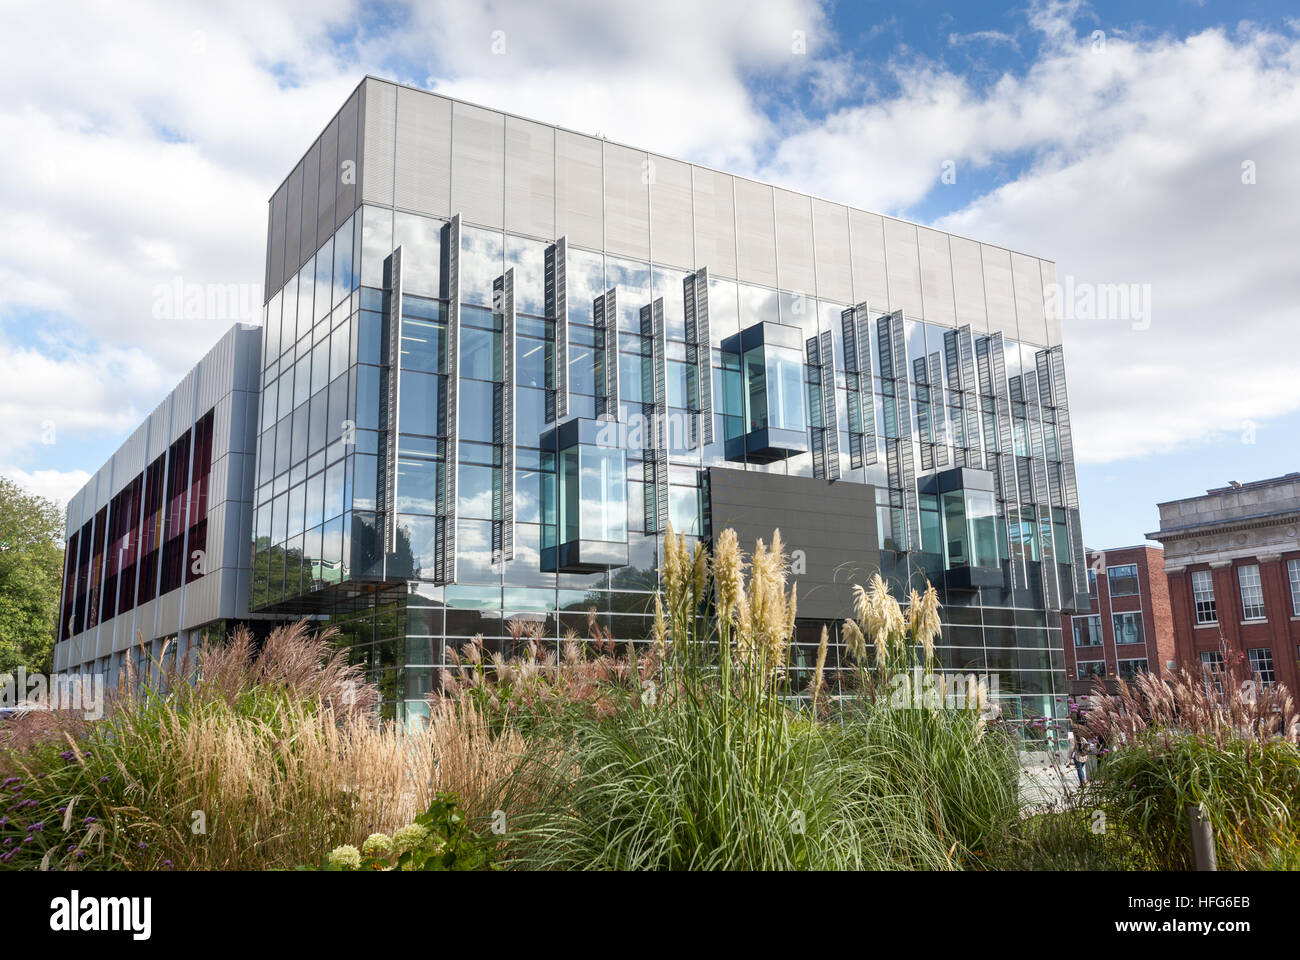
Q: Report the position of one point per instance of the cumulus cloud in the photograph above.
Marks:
(142, 143)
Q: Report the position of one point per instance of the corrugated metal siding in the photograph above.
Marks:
(478, 157)
(579, 194)
(310, 196)
(530, 178)
(422, 173)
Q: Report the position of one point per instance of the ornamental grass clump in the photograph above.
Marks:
(727, 767)
(261, 759)
(1224, 740)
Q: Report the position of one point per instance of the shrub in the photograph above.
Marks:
(1218, 741)
(440, 839)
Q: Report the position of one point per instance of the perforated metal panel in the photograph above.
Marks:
(478, 157)
(903, 263)
(970, 398)
(832, 252)
(755, 233)
(348, 166)
(794, 240)
(327, 180)
(715, 221)
(867, 236)
(936, 276)
(530, 178)
(579, 176)
(422, 150)
(557, 309)
(380, 121)
(672, 224)
(627, 202)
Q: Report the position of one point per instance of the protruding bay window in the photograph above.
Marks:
(591, 529)
(773, 394)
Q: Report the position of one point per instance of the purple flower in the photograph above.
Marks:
(167, 864)
(142, 845)
(6, 857)
(91, 820)
(62, 810)
(103, 779)
(37, 827)
(67, 754)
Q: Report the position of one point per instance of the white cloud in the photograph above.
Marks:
(143, 141)
(56, 485)
(1134, 158)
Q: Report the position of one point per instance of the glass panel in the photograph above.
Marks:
(603, 493)
(421, 241)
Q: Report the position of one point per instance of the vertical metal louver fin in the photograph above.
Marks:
(938, 411)
(970, 398)
(903, 402)
(604, 315)
(386, 496)
(924, 421)
(695, 299)
(1006, 459)
(557, 309)
(658, 352)
(503, 298)
(855, 323)
(817, 417)
(446, 548)
(830, 409)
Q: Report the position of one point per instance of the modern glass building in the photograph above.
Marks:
(500, 358)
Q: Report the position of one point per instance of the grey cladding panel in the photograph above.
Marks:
(833, 524)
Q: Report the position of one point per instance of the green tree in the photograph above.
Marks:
(31, 571)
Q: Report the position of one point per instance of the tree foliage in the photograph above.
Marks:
(31, 567)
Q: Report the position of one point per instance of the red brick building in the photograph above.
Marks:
(1232, 560)
(1128, 626)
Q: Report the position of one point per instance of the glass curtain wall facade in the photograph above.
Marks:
(413, 481)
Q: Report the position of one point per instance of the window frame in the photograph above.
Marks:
(1111, 579)
(1200, 605)
(1258, 585)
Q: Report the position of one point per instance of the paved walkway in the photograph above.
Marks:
(1044, 782)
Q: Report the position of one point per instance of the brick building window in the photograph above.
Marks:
(1129, 669)
(1252, 592)
(1261, 662)
(1087, 631)
(1086, 669)
(1203, 595)
(1212, 668)
(1293, 574)
(1123, 580)
(1128, 627)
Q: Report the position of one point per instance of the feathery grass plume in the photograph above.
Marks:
(676, 571)
(854, 641)
(728, 573)
(659, 628)
(700, 576)
(923, 619)
(820, 667)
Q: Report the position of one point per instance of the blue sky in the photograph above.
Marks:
(143, 142)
